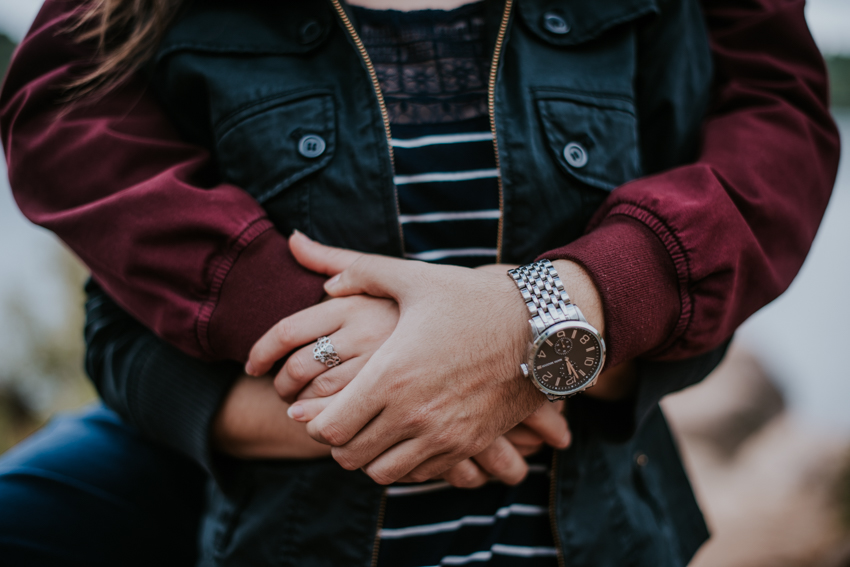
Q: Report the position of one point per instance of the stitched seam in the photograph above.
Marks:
(219, 273)
(296, 95)
(541, 92)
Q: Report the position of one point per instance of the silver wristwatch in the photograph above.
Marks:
(566, 353)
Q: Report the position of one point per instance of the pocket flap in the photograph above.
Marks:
(571, 22)
(260, 27)
(276, 142)
(593, 138)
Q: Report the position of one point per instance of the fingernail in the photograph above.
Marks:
(249, 369)
(300, 234)
(333, 281)
(295, 411)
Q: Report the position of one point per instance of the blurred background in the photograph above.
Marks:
(766, 438)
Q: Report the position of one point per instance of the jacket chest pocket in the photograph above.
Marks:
(593, 138)
(275, 142)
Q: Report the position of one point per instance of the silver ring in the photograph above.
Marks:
(325, 353)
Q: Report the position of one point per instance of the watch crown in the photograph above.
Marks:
(524, 368)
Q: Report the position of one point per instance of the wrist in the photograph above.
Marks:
(581, 289)
(567, 353)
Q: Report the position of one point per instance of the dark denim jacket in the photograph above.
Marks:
(628, 80)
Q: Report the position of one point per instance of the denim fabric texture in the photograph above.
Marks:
(90, 491)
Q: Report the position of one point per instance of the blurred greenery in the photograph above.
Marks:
(47, 375)
(839, 76)
(6, 49)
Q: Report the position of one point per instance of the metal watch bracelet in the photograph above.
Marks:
(544, 295)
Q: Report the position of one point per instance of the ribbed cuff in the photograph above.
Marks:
(636, 280)
(264, 285)
(176, 402)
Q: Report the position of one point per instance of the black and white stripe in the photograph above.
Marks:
(448, 191)
(496, 525)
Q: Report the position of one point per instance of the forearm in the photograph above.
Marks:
(195, 260)
(193, 406)
(683, 257)
(252, 424)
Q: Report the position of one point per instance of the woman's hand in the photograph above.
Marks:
(252, 424)
(356, 326)
(445, 384)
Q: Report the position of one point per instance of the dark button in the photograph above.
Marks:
(311, 146)
(310, 31)
(555, 23)
(575, 154)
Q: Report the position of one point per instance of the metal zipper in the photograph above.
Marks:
(376, 86)
(491, 108)
(377, 545)
(553, 518)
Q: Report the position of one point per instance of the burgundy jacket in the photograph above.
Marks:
(680, 258)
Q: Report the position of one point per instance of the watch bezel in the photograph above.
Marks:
(535, 345)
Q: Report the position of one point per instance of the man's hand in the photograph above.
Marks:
(445, 384)
(503, 458)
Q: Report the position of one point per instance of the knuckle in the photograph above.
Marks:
(475, 446)
(501, 460)
(323, 387)
(469, 478)
(332, 434)
(444, 438)
(382, 476)
(296, 368)
(283, 332)
(344, 459)
(419, 476)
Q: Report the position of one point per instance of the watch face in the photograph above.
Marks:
(567, 357)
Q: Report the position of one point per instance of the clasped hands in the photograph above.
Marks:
(429, 383)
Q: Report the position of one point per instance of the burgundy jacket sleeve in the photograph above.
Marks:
(683, 257)
(198, 263)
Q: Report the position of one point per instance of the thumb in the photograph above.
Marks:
(319, 258)
(370, 274)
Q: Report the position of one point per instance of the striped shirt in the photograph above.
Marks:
(432, 67)
(433, 523)
(448, 192)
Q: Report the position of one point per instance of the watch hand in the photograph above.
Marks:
(571, 369)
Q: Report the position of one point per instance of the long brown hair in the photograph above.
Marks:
(126, 33)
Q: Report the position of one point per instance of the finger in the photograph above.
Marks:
(292, 332)
(437, 465)
(319, 258)
(465, 474)
(398, 461)
(527, 450)
(308, 410)
(298, 371)
(334, 380)
(503, 461)
(523, 435)
(302, 367)
(373, 439)
(378, 276)
(351, 410)
(548, 422)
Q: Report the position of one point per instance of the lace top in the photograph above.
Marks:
(433, 65)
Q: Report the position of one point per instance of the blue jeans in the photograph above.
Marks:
(88, 490)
